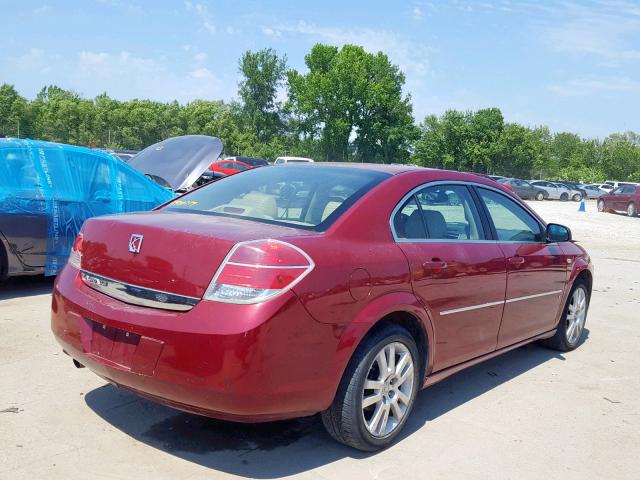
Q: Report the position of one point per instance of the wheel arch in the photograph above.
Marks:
(397, 308)
(585, 275)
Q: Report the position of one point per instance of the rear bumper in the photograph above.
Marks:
(239, 362)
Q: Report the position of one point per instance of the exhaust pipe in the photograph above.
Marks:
(77, 363)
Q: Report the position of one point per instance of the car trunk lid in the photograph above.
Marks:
(178, 252)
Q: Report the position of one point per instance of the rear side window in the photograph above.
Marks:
(440, 212)
(309, 197)
(511, 221)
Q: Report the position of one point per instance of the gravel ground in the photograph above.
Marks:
(531, 413)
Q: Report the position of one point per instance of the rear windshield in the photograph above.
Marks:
(309, 197)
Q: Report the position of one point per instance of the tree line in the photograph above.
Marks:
(348, 105)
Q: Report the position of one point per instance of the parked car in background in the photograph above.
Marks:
(625, 199)
(615, 184)
(125, 155)
(605, 187)
(341, 289)
(292, 160)
(593, 191)
(495, 178)
(524, 189)
(178, 162)
(555, 191)
(47, 190)
(576, 188)
(231, 165)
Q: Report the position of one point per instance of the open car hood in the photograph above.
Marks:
(178, 161)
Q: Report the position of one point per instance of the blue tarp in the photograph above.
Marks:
(69, 184)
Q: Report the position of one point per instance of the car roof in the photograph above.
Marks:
(375, 167)
(397, 169)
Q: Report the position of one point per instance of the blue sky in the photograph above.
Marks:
(571, 65)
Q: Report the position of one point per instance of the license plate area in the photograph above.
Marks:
(110, 343)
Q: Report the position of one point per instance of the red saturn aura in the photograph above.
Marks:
(305, 288)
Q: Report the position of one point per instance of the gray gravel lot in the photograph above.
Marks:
(531, 413)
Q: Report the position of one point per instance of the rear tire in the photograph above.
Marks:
(577, 197)
(564, 197)
(573, 319)
(601, 206)
(389, 405)
(632, 210)
(539, 196)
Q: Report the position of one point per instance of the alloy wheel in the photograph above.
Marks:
(601, 205)
(388, 389)
(631, 210)
(576, 315)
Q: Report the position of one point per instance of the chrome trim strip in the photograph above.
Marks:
(529, 297)
(472, 307)
(493, 304)
(135, 295)
(252, 265)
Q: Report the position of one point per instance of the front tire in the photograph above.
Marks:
(539, 196)
(574, 316)
(577, 197)
(377, 391)
(632, 210)
(564, 197)
(601, 206)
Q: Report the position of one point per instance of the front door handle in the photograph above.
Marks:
(517, 260)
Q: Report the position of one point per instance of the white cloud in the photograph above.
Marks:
(41, 10)
(202, 12)
(417, 13)
(35, 60)
(200, 57)
(590, 86)
(412, 57)
(606, 29)
(125, 75)
(271, 32)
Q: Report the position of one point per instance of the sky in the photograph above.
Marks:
(570, 65)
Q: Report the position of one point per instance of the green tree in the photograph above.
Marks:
(13, 112)
(351, 101)
(262, 74)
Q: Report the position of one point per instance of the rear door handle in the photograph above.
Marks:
(434, 265)
(517, 260)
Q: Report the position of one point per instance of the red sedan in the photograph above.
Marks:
(625, 198)
(232, 165)
(341, 289)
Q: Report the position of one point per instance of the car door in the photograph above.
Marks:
(457, 273)
(617, 199)
(625, 198)
(536, 269)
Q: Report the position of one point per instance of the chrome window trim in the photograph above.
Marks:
(452, 240)
(136, 295)
(501, 302)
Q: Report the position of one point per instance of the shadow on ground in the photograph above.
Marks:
(18, 287)
(285, 448)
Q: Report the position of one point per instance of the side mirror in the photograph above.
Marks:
(558, 233)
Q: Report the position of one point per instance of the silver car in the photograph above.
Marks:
(556, 191)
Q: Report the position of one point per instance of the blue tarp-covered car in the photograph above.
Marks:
(47, 190)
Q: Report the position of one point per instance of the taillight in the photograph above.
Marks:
(76, 252)
(258, 270)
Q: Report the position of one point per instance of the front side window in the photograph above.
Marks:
(440, 212)
(511, 221)
(303, 197)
